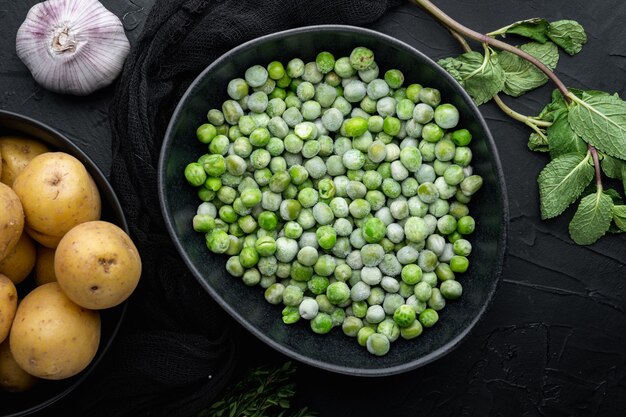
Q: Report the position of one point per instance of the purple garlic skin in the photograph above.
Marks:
(72, 46)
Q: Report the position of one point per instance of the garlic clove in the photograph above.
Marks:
(72, 46)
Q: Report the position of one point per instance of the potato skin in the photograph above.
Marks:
(12, 377)
(57, 193)
(11, 220)
(18, 264)
(44, 266)
(16, 153)
(8, 306)
(52, 337)
(97, 265)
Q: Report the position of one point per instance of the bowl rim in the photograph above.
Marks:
(115, 207)
(499, 183)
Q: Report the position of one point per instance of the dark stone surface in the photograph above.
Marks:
(553, 343)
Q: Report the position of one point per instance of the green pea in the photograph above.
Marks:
(195, 174)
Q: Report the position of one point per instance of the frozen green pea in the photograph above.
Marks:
(195, 174)
(470, 185)
(415, 229)
(318, 284)
(430, 96)
(233, 267)
(323, 213)
(290, 209)
(338, 292)
(355, 91)
(298, 174)
(386, 106)
(428, 317)
(431, 132)
(459, 263)
(326, 237)
(292, 116)
(445, 150)
(310, 149)
(237, 88)
(377, 89)
(325, 62)
(322, 323)
(436, 302)
(395, 78)
(215, 117)
(461, 137)
(307, 256)
(364, 334)
(316, 167)
(446, 116)
(404, 315)
(368, 105)
(411, 158)
(392, 125)
(466, 225)
(451, 289)
(351, 326)
(411, 274)
(361, 58)
(308, 197)
(325, 265)
(427, 261)
(248, 257)
(423, 291)
(404, 109)
(462, 156)
(290, 314)
(311, 73)
(462, 247)
(206, 132)
(377, 151)
(390, 330)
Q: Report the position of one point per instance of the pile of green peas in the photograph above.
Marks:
(340, 190)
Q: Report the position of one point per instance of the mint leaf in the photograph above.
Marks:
(592, 219)
(549, 112)
(619, 216)
(521, 75)
(612, 167)
(561, 138)
(537, 143)
(568, 34)
(535, 29)
(601, 121)
(481, 76)
(562, 181)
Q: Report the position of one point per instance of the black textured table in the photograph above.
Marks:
(553, 342)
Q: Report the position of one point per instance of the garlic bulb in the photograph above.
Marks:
(72, 46)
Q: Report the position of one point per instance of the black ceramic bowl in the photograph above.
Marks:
(47, 392)
(334, 351)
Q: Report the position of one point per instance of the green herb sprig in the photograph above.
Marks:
(263, 392)
(583, 131)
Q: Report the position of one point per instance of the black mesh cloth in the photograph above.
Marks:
(178, 348)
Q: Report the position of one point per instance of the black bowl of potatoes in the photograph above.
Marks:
(67, 265)
(338, 194)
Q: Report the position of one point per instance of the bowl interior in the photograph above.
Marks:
(335, 351)
(45, 392)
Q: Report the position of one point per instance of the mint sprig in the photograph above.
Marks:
(584, 131)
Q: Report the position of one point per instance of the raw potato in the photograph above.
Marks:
(8, 306)
(52, 337)
(16, 154)
(44, 266)
(57, 193)
(45, 240)
(97, 265)
(11, 220)
(21, 261)
(12, 377)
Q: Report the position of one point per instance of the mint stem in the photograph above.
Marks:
(596, 165)
(452, 24)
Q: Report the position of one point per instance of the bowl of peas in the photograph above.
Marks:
(339, 195)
